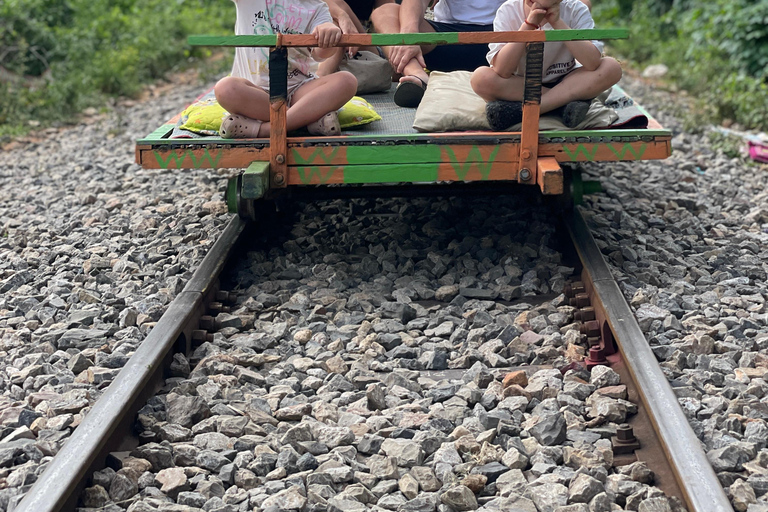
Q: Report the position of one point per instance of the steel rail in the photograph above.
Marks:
(702, 491)
(109, 422)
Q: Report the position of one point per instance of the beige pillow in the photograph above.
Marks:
(450, 104)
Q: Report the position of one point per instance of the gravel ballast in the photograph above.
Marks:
(390, 355)
(93, 248)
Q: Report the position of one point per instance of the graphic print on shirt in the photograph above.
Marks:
(558, 69)
(278, 18)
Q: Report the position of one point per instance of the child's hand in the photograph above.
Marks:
(327, 35)
(537, 14)
(553, 14)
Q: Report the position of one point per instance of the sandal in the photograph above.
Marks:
(326, 125)
(409, 94)
(239, 127)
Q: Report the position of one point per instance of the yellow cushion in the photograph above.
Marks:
(357, 112)
(203, 117)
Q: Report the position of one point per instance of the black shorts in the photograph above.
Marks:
(453, 57)
(362, 9)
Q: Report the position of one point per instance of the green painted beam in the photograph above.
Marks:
(393, 173)
(159, 136)
(233, 40)
(422, 154)
(587, 34)
(408, 39)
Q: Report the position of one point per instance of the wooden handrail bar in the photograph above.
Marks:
(308, 40)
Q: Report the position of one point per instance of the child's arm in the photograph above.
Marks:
(343, 16)
(327, 35)
(583, 51)
(506, 61)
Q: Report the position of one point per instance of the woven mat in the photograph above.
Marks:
(394, 120)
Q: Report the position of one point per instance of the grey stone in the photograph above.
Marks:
(186, 410)
(728, 458)
(407, 453)
(549, 429)
(583, 488)
(460, 498)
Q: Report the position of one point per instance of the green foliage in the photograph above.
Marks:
(717, 50)
(60, 56)
(730, 145)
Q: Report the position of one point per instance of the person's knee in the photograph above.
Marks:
(346, 83)
(482, 81)
(225, 90)
(611, 70)
(384, 12)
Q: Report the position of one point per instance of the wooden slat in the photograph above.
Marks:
(549, 176)
(243, 156)
(474, 137)
(607, 152)
(429, 38)
(200, 158)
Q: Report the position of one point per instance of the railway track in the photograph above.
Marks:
(662, 438)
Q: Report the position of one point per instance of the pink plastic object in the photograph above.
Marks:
(758, 151)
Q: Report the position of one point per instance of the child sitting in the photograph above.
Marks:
(312, 100)
(568, 85)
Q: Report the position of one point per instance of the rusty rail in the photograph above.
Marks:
(699, 486)
(107, 427)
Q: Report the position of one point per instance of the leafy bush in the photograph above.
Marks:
(60, 56)
(717, 50)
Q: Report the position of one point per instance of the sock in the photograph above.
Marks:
(575, 112)
(502, 114)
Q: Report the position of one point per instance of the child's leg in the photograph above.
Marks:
(491, 87)
(315, 98)
(581, 84)
(240, 96)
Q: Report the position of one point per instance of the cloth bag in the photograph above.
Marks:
(373, 73)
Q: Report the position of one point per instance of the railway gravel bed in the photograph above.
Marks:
(92, 250)
(91, 244)
(686, 239)
(389, 355)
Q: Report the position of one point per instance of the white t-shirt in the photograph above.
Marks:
(265, 17)
(558, 60)
(477, 12)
